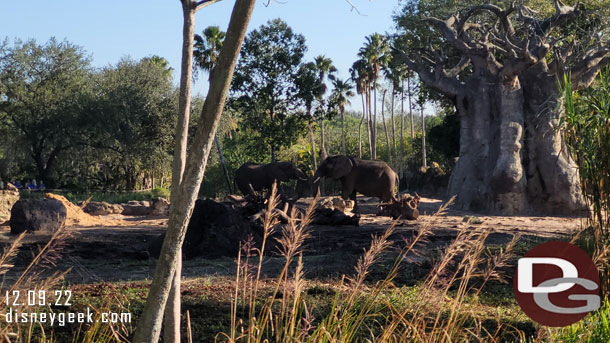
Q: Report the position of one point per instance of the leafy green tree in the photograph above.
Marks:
(133, 120)
(45, 89)
(263, 88)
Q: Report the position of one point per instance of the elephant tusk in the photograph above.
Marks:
(316, 179)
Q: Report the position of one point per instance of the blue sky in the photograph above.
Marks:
(112, 29)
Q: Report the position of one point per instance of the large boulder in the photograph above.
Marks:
(215, 230)
(136, 208)
(159, 207)
(96, 208)
(37, 215)
(8, 198)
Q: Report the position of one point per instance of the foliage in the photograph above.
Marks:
(587, 129)
(44, 94)
(118, 120)
(264, 87)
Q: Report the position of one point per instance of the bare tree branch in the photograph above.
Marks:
(438, 80)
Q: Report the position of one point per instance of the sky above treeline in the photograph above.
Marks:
(112, 29)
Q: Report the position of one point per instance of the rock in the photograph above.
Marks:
(159, 207)
(135, 209)
(214, 230)
(102, 208)
(139, 203)
(37, 215)
(7, 199)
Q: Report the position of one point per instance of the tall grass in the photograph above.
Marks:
(35, 277)
(361, 309)
(587, 127)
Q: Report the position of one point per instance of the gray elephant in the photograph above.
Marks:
(371, 178)
(262, 176)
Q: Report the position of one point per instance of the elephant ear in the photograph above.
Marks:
(342, 166)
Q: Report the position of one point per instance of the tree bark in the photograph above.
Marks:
(172, 309)
(322, 145)
(423, 137)
(410, 109)
(360, 125)
(385, 128)
(149, 324)
(374, 123)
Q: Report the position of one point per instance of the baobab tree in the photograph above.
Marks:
(500, 67)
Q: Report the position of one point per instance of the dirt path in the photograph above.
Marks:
(119, 252)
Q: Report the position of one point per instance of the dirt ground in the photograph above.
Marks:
(117, 250)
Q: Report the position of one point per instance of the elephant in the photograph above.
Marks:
(262, 176)
(371, 178)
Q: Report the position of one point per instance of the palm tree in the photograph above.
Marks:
(376, 52)
(206, 49)
(310, 89)
(324, 66)
(341, 94)
(359, 76)
(160, 62)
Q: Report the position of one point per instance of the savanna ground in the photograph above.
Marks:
(109, 265)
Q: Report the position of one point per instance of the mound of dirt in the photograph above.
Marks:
(76, 215)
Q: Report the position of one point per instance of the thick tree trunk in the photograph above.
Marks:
(512, 157)
(360, 125)
(149, 324)
(553, 180)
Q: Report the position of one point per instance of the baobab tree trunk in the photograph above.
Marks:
(149, 324)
